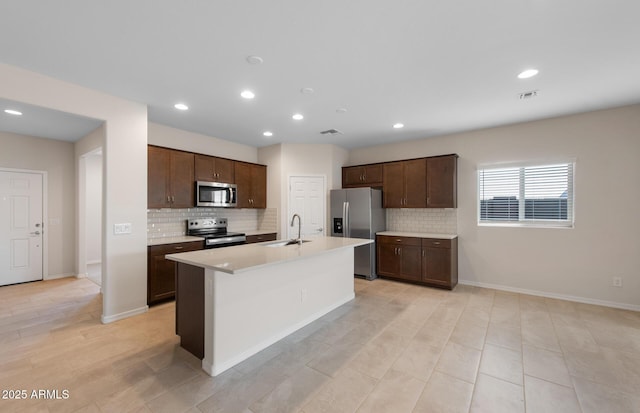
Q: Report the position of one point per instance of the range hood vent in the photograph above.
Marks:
(331, 132)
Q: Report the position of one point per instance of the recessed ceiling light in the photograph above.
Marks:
(13, 112)
(298, 116)
(181, 106)
(398, 126)
(255, 60)
(267, 133)
(341, 110)
(247, 94)
(306, 91)
(528, 73)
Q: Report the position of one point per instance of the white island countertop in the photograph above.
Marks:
(242, 258)
(416, 234)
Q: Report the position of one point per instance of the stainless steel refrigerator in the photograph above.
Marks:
(358, 213)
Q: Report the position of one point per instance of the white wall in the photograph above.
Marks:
(169, 137)
(578, 262)
(125, 191)
(56, 158)
(285, 160)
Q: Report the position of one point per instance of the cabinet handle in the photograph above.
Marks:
(398, 240)
(168, 199)
(179, 248)
(173, 199)
(423, 253)
(436, 243)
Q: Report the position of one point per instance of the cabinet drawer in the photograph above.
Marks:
(385, 239)
(176, 248)
(251, 239)
(436, 242)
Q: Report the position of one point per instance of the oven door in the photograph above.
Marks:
(223, 242)
(215, 194)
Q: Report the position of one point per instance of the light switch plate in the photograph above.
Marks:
(119, 229)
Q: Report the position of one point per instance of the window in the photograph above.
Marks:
(540, 195)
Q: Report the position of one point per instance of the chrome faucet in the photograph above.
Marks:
(293, 219)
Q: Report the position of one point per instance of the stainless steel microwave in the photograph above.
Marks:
(216, 194)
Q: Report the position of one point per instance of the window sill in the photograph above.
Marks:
(526, 225)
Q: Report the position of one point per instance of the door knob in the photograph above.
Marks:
(35, 233)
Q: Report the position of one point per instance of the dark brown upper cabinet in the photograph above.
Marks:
(362, 176)
(170, 180)
(404, 184)
(442, 182)
(214, 169)
(251, 180)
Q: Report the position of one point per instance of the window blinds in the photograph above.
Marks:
(530, 195)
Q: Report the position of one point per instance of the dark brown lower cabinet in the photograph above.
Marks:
(161, 282)
(252, 239)
(399, 257)
(190, 308)
(426, 261)
(440, 262)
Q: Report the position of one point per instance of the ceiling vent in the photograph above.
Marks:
(528, 95)
(331, 132)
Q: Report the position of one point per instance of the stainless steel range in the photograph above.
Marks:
(214, 232)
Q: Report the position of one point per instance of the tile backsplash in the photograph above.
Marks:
(431, 220)
(163, 223)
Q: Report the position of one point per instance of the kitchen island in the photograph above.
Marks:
(233, 302)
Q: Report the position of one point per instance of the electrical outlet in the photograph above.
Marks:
(303, 295)
(616, 281)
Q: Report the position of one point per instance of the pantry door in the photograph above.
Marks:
(21, 227)
(307, 198)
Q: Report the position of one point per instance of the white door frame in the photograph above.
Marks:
(45, 216)
(81, 220)
(289, 203)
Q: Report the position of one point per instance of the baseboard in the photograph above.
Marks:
(58, 276)
(584, 300)
(215, 369)
(111, 318)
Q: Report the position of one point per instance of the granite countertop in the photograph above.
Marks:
(172, 240)
(417, 234)
(247, 257)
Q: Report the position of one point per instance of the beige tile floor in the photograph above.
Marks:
(395, 348)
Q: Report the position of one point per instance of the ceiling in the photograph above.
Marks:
(438, 67)
(44, 122)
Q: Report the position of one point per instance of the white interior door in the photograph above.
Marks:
(307, 198)
(21, 227)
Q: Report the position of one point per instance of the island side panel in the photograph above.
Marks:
(190, 308)
(254, 309)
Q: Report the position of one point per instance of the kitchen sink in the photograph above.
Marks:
(284, 243)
